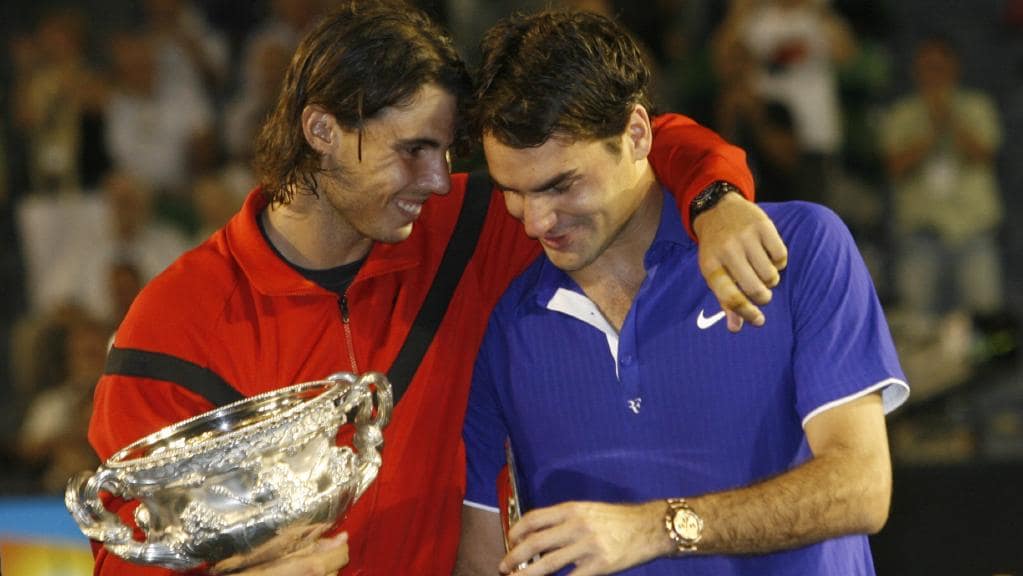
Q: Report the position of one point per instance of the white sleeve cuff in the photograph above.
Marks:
(479, 506)
(894, 393)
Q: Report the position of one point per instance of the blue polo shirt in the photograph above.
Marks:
(675, 405)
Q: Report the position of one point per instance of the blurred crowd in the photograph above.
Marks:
(127, 131)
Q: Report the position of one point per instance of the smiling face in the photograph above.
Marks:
(403, 162)
(582, 200)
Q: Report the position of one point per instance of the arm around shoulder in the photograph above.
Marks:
(688, 157)
(741, 253)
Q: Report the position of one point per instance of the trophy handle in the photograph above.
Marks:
(371, 397)
(83, 502)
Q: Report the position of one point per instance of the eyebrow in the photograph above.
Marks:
(425, 142)
(550, 183)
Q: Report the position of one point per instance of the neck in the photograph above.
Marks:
(623, 256)
(310, 233)
(613, 280)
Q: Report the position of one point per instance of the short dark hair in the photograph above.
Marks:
(941, 41)
(362, 57)
(569, 74)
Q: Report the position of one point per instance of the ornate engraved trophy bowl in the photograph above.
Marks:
(242, 484)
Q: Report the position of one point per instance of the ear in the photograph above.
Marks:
(318, 127)
(639, 133)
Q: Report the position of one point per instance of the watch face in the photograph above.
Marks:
(687, 524)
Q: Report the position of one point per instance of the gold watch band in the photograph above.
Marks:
(683, 525)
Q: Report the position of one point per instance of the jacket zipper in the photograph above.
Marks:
(343, 305)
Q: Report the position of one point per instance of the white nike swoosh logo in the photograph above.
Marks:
(703, 322)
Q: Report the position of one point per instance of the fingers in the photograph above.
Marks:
(531, 522)
(774, 246)
(743, 272)
(747, 312)
(547, 535)
(533, 534)
(734, 321)
(551, 544)
(733, 300)
(741, 256)
(593, 537)
(334, 554)
(765, 272)
(725, 288)
(325, 557)
(749, 266)
(551, 562)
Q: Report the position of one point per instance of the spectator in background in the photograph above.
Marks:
(87, 256)
(53, 434)
(287, 21)
(215, 201)
(187, 48)
(5, 195)
(125, 281)
(798, 45)
(266, 62)
(468, 19)
(940, 145)
(762, 127)
(58, 104)
(155, 120)
(116, 227)
(135, 235)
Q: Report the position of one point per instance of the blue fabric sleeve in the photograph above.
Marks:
(843, 347)
(484, 430)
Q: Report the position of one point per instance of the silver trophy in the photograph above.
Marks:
(242, 484)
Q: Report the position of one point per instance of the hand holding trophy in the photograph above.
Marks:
(509, 499)
(243, 484)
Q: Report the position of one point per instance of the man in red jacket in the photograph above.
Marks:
(328, 263)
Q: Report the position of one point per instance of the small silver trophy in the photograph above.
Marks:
(242, 484)
(508, 494)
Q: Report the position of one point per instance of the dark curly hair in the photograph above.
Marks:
(558, 73)
(363, 57)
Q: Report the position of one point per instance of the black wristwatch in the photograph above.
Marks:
(709, 197)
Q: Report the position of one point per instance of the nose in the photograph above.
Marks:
(538, 215)
(435, 174)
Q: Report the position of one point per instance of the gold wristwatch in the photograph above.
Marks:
(684, 525)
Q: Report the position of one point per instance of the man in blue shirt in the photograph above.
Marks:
(648, 439)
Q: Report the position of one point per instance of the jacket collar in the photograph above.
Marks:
(272, 276)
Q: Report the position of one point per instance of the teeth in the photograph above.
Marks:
(412, 208)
